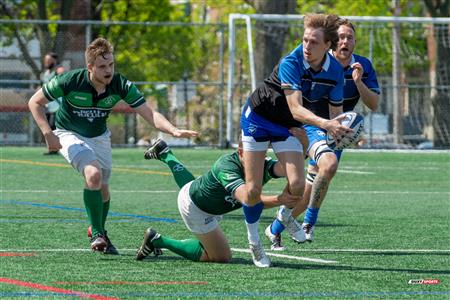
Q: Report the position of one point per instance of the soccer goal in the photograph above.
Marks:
(404, 50)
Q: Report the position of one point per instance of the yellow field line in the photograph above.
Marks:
(46, 164)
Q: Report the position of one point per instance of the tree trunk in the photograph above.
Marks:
(441, 101)
(270, 36)
(440, 97)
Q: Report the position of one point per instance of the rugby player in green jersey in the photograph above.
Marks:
(203, 201)
(87, 97)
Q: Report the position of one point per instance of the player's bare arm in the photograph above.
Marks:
(269, 201)
(300, 113)
(157, 120)
(37, 107)
(369, 97)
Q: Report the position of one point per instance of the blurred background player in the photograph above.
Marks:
(306, 76)
(360, 83)
(82, 137)
(203, 201)
(51, 69)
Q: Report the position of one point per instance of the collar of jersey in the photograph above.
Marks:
(325, 65)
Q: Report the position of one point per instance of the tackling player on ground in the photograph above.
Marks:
(203, 201)
(81, 136)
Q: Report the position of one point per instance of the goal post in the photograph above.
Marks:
(379, 35)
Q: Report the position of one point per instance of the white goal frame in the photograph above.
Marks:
(274, 17)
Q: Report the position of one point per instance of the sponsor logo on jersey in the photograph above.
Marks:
(230, 176)
(90, 114)
(80, 98)
(231, 200)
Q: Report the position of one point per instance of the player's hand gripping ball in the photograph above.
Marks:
(354, 121)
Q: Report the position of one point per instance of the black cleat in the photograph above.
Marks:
(98, 242)
(50, 153)
(147, 244)
(110, 248)
(154, 151)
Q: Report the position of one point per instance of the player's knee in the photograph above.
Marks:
(93, 178)
(330, 167)
(253, 192)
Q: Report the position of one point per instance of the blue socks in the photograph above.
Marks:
(252, 213)
(311, 215)
(276, 227)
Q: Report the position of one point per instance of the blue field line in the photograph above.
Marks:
(237, 294)
(64, 221)
(115, 214)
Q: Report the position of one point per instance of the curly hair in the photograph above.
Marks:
(328, 23)
(97, 47)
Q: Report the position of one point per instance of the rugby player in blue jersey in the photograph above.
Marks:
(360, 83)
(304, 88)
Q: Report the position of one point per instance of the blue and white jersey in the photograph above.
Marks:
(319, 89)
(369, 78)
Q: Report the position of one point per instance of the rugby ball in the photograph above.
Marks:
(352, 120)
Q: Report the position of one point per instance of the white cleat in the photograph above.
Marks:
(275, 240)
(308, 229)
(284, 215)
(296, 231)
(260, 259)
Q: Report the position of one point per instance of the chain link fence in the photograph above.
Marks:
(181, 69)
(411, 57)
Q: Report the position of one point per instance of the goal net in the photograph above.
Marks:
(410, 56)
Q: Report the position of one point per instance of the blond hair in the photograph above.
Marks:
(329, 25)
(97, 47)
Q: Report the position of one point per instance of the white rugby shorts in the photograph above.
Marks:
(195, 219)
(79, 151)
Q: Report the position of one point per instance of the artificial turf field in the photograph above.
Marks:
(384, 222)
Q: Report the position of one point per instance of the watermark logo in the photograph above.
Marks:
(424, 281)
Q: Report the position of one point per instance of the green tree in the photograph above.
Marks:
(50, 36)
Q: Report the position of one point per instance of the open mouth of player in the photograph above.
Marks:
(344, 49)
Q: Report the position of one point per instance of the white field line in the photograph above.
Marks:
(377, 250)
(248, 251)
(268, 191)
(317, 260)
(355, 172)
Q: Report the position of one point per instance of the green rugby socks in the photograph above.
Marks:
(191, 248)
(105, 212)
(181, 175)
(93, 201)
